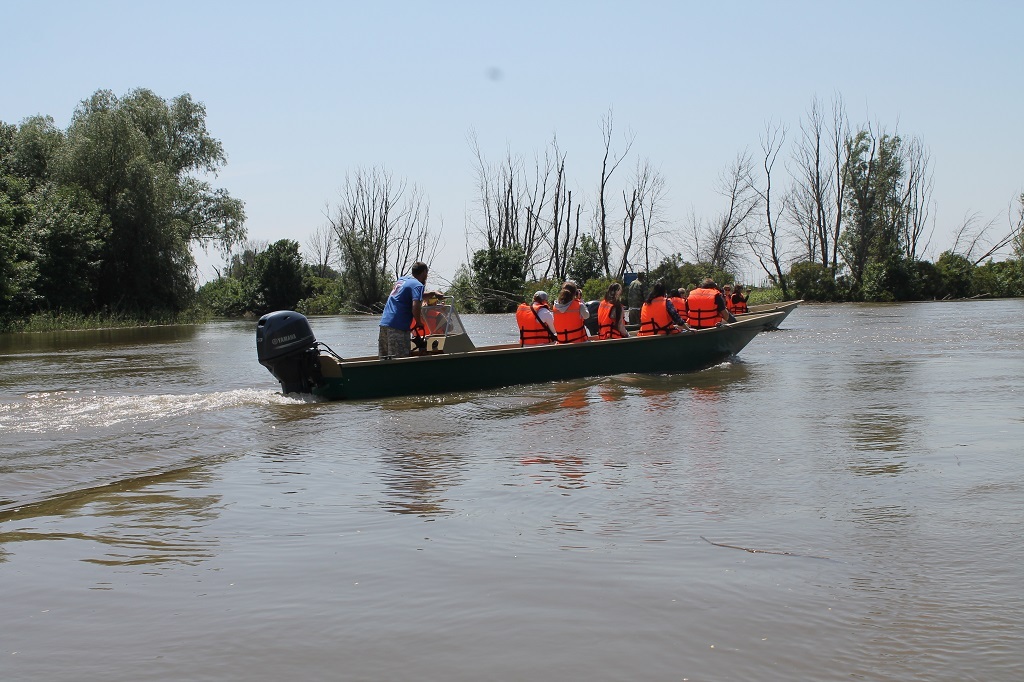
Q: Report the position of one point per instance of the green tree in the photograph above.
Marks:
(998, 279)
(18, 252)
(587, 261)
(228, 296)
(499, 275)
(138, 157)
(69, 229)
(956, 274)
(676, 273)
(463, 290)
(279, 273)
(812, 281)
(874, 215)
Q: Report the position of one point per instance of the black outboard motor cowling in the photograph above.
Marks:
(286, 346)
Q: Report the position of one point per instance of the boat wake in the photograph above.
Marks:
(64, 411)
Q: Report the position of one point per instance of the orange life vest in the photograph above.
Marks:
(569, 325)
(607, 328)
(738, 304)
(654, 318)
(679, 303)
(702, 308)
(532, 332)
(431, 321)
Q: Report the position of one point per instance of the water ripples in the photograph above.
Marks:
(64, 411)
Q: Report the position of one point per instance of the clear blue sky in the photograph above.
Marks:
(299, 93)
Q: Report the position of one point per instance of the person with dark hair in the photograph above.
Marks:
(658, 315)
(738, 301)
(570, 314)
(402, 313)
(611, 322)
(678, 298)
(706, 307)
(536, 322)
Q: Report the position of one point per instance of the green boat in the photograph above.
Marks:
(446, 360)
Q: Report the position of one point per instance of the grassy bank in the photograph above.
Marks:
(762, 296)
(65, 321)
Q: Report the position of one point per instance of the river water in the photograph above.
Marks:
(843, 501)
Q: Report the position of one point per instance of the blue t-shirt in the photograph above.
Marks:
(398, 310)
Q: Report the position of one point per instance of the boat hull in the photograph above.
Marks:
(499, 366)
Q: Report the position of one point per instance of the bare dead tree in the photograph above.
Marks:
(693, 240)
(815, 205)
(642, 206)
(766, 243)
(609, 163)
(413, 239)
(972, 239)
(838, 136)
(970, 236)
(721, 237)
(379, 227)
(322, 249)
(564, 233)
(651, 219)
(631, 202)
(1018, 227)
(917, 198)
(512, 204)
(811, 208)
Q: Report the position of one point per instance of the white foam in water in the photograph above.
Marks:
(73, 410)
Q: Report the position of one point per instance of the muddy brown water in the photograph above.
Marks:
(844, 500)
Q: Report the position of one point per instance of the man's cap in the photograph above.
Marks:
(540, 295)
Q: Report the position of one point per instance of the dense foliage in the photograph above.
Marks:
(101, 217)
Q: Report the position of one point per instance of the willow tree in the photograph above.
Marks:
(142, 159)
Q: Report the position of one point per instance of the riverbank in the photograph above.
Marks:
(67, 322)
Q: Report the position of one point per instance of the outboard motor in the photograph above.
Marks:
(591, 322)
(286, 346)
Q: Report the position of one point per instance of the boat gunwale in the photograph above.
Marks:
(752, 319)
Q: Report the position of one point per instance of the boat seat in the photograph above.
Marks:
(435, 344)
(329, 366)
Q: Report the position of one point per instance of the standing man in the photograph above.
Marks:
(636, 295)
(402, 308)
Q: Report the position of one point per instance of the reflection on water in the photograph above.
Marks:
(154, 520)
(417, 482)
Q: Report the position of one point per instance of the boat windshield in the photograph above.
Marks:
(442, 320)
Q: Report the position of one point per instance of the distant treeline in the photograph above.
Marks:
(99, 219)
(848, 219)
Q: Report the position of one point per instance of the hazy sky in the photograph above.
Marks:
(300, 93)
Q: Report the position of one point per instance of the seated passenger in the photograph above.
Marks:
(739, 301)
(611, 322)
(536, 323)
(569, 315)
(658, 315)
(678, 298)
(705, 306)
(432, 320)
